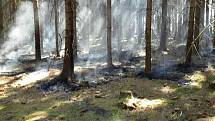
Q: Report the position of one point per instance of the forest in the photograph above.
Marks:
(107, 60)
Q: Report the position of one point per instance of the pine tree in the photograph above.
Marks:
(109, 35)
(56, 27)
(197, 25)
(190, 38)
(68, 66)
(148, 37)
(37, 30)
(163, 37)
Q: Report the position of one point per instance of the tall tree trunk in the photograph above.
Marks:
(180, 23)
(207, 12)
(119, 27)
(202, 18)
(68, 66)
(88, 25)
(140, 23)
(109, 35)
(37, 30)
(148, 34)
(75, 45)
(163, 38)
(202, 13)
(189, 45)
(13, 8)
(56, 27)
(214, 35)
(197, 25)
(41, 27)
(212, 3)
(1, 21)
(41, 38)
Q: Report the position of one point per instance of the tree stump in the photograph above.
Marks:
(126, 94)
(211, 85)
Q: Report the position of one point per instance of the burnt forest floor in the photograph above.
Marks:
(173, 93)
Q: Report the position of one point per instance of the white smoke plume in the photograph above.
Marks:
(20, 34)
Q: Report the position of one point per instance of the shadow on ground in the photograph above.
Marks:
(182, 102)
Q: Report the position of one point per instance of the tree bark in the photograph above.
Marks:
(140, 26)
(41, 27)
(119, 27)
(68, 66)
(207, 12)
(37, 30)
(148, 35)
(75, 46)
(214, 36)
(202, 13)
(109, 35)
(1, 21)
(197, 25)
(41, 38)
(163, 38)
(56, 27)
(190, 39)
(178, 34)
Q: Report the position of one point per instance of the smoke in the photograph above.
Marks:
(47, 25)
(19, 41)
(20, 34)
(91, 26)
(92, 29)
